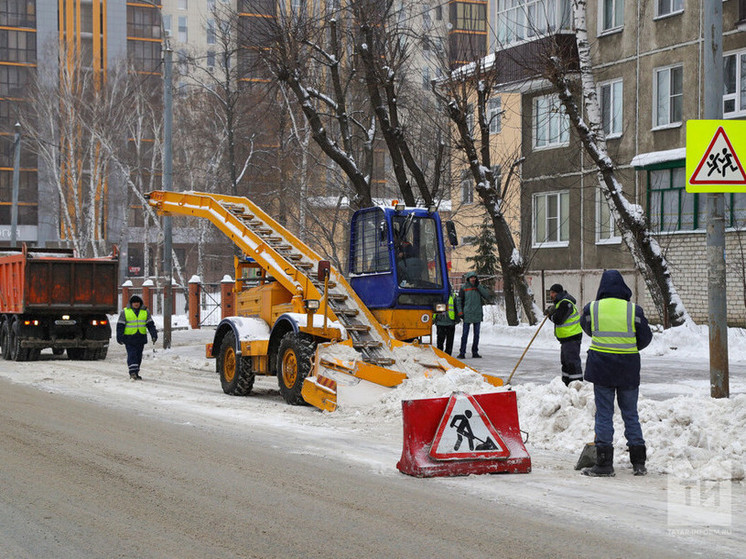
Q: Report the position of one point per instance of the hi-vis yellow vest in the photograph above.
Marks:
(135, 322)
(571, 326)
(613, 326)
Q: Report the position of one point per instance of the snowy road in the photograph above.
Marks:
(97, 466)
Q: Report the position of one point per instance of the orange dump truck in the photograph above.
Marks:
(50, 299)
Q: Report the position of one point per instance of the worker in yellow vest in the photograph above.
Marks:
(132, 330)
(618, 330)
(563, 312)
(445, 325)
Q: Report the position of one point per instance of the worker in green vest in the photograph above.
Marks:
(564, 314)
(132, 327)
(445, 325)
(618, 330)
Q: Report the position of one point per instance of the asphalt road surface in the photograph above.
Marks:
(82, 480)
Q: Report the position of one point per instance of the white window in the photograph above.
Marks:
(668, 7)
(611, 14)
(210, 31)
(551, 124)
(167, 23)
(467, 187)
(210, 59)
(669, 96)
(183, 29)
(298, 7)
(551, 224)
(734, 84)
(520, 20)
(610, 99)
(494, 114)
(606, 230)
(183, 4)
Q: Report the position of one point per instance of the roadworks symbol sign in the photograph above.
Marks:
(466, 433)
(720, 164)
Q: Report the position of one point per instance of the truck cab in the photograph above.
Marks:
(398, 266)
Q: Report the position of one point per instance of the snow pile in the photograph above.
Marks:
(688, 436)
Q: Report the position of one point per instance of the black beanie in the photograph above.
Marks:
(557, 288)
(136, 299)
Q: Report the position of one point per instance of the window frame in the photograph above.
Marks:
(494, 115)
(739, 94)
(602, 207)
(671, 97)
(602, 13)
(562, 228)
(467, 187)
(555, 110)
(671, 12)
(612, 133)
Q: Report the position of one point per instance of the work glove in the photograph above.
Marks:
(549, 310)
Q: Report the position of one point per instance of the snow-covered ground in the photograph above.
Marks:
(696, 444)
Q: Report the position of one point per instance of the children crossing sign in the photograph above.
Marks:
(714, 149)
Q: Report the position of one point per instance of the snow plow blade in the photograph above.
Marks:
(348, 381)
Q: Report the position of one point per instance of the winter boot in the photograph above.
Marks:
(638, 455)
(604, 463)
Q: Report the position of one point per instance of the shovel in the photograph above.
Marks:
(528, 346)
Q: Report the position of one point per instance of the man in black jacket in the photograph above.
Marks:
(564, 314)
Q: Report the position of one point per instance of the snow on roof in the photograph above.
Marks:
(654, 157)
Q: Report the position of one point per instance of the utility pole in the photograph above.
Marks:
(16, 177)
(713, 110)
(167, 185)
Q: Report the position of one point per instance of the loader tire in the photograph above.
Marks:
(235, 373)
(5, 340)
(294, 362)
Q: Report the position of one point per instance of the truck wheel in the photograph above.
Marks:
(102, 351)
(294, 361)
(235, 373)
(5, 341)
(17, 353)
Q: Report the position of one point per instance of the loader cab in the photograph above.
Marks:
(398, 266)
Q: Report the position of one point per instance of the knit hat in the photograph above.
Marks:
(557, 288)
(136, 299)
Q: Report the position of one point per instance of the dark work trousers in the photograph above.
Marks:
(445, 334)
(134, 357)
(627, 400)
(572, 368)
(465, 338)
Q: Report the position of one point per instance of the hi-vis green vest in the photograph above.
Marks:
(613, 326)
(571, 325)
(450, 309)
(135, 323)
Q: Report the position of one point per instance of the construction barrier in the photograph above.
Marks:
(461, 435)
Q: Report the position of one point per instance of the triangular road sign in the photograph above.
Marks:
(720, 163)
(465, 432)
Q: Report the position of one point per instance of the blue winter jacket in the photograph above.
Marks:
(614, 369)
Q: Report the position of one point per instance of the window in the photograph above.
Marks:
(167, 23)
(494, 114)
(439, 13)
(670, 206)
(668, 7)
(520, 20)
(550, 219)
(734, 84)
(669, 95)
(183, 4)
(18, 46)
(211, 59)
(370, 250)
(467, 187)
(610, 99)
(426, 77)
(551, 124)
(607, 231)
(298, 7)
(470, 118)
(427, 20)
(611, 14)
(471, 17)
(210, 31)
(183, 35)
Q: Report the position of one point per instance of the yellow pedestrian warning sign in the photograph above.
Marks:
(712, 156)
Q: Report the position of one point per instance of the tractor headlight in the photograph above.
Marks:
(440, 307)
(311, 304)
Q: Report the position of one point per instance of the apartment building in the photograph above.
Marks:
(647, 59)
